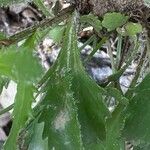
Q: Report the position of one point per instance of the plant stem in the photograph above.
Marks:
(3, 111)
(64, 14)
(90, 40)
(137, 74)
(111, 58)
(115, 77)
(98, 46)
(119, 49)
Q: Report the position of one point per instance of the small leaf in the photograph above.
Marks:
(133, 28)
(114, 20)
(36, 140)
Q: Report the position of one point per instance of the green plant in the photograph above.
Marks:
(73, 112)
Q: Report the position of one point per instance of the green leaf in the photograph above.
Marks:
(92, 20)
(36, 141)
(22, 109)
(27, 67)
(61, 124)
(15, 63)
(114, 20)
(20, 65)
(7, 62)
(91, 109)
(73, 106)
(133, 28)
(137, 125)
(60, 118)
(110, 91)
(114, 126)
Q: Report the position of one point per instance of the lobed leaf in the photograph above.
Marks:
(36, 141)
(21, 66)
(74, 113)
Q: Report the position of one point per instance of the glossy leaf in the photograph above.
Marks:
(91, 109)
(60, 114)
(74, 109)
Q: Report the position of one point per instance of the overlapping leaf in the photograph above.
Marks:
(74, 112)
(37, 142)
(19, 64)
